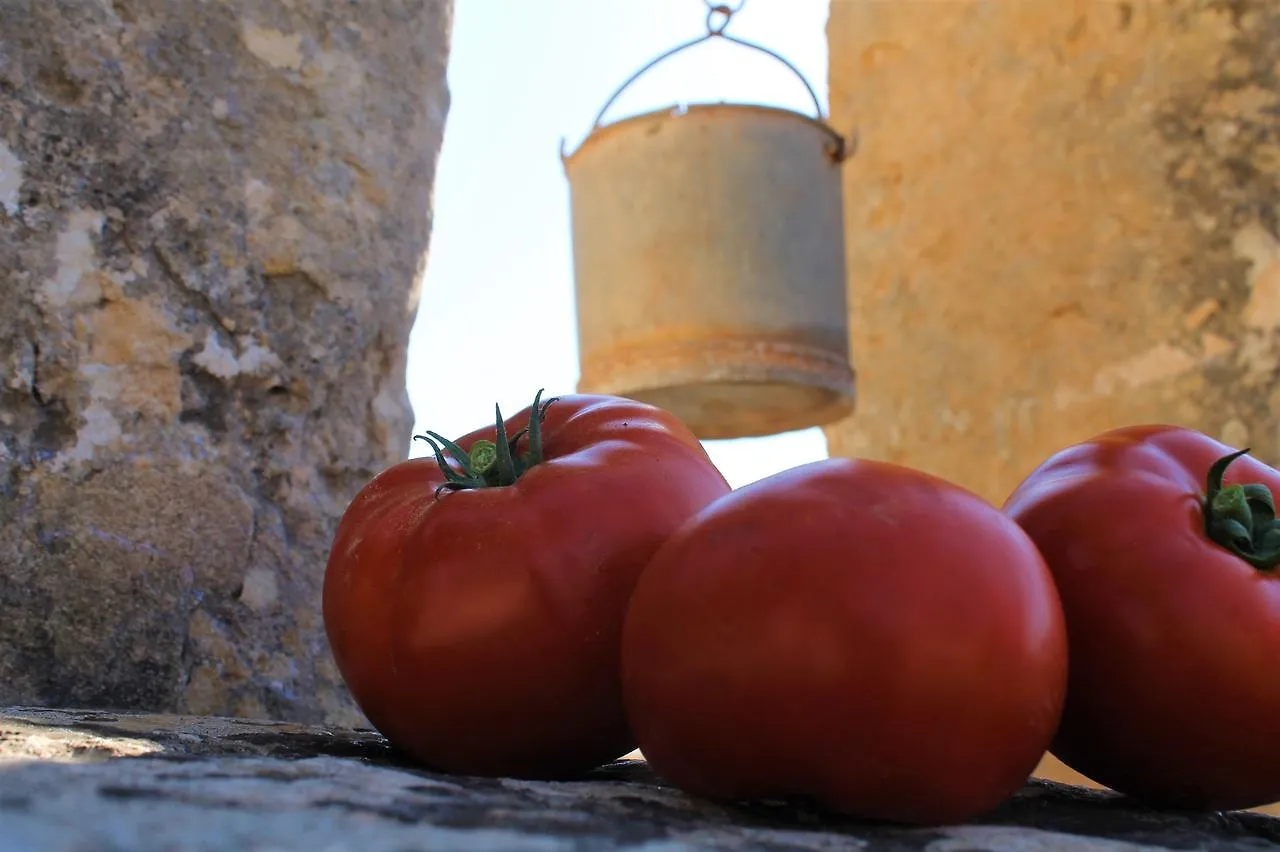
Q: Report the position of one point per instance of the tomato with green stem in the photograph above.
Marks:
(1164, 545)
(474, 601)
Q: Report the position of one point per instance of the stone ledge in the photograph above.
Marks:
(72, 780)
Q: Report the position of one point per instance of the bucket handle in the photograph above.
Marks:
(718, 17)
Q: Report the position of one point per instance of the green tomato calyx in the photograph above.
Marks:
(490, 464)
(1242, 518)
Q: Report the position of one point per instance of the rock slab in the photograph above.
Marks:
(212, 222)
(75, 780)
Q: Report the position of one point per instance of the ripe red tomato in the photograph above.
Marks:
(1173, 612)
(477, 619)
(855, 632)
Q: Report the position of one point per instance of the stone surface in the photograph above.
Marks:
(87, 780)
(1062, 218)
(212, 221)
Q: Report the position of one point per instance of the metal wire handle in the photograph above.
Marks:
(718, 17)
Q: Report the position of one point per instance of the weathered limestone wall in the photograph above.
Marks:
(212, 218)
(1062, 218)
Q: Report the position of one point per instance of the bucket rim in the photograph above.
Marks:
(838, 150)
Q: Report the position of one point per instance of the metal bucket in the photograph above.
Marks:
(708, 249)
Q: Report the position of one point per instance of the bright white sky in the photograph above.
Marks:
(497, 317)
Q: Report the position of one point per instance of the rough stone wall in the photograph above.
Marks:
(1062, 218)
(212, 220)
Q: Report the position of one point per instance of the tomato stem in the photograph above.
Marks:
(490, 464)
(1242, 518)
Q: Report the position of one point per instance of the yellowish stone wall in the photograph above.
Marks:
(1062, 218)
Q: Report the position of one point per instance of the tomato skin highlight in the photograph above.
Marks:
(478, 630)
(1173, 697)
(852, 631)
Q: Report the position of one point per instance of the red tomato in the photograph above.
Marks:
(855, 632)
(1173, 695)
(478, 628)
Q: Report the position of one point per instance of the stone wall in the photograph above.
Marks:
(212, 222)
(1062, 218)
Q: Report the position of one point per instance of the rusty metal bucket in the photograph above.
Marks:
(708, 250)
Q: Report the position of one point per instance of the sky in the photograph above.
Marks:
(497, 321)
